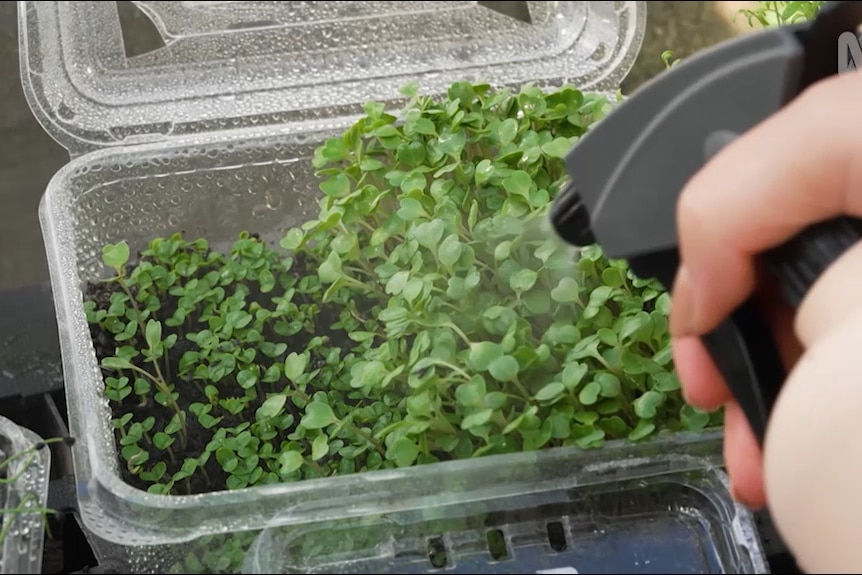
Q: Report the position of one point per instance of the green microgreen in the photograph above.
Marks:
(771, 14)
(669, 59)
(18, 498)
(423, 315)
(766, 15)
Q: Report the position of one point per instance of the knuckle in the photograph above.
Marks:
(690, 207)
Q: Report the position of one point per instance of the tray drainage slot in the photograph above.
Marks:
(437, 553)
(557, 536)
(497, 545)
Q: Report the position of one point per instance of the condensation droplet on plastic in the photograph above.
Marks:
(260, 210)
(273, 201)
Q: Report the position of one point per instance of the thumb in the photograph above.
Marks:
(813, 453)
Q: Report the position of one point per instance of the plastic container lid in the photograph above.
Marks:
(228, 65)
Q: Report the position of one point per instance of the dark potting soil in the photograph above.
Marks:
(213, 477)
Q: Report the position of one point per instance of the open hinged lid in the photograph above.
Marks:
(232, 64)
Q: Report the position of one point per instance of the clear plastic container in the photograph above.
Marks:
(625, 510)
(201, 135)
(25, 490)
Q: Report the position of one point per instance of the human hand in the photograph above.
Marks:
(800, 166)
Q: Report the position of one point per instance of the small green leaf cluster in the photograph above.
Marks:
(669, 59)
(510, 342)
(18, 496)
(200, 374)
(766, 15)
(771, 14)
(214, 554)
(425, 314)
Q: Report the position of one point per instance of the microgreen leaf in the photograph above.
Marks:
(523, 280)
(290, 461)
(508, 130)
(403, 451)
(610, 385)
(449, 251)
(647, 405)
(162, 440)
(330, 270)
(693, 418)
(246, 379)
(643, 429)
(477, 419)
(573, 374)
(483, 171)
(272, 406)
(154, 333)
(319, 447)
(551, 391)
(293, 239)
(483, 354)
(429, 234)
(337, 186)
(590, 393)
(116, 363)
(566, 291)
(116, 255)
(317, 416)
(411, 208)
(504, 368)
(518, 183)
(294, 365)
(472, 392)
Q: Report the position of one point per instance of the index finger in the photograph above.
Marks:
(796, 168)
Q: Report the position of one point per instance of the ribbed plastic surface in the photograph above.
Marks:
(232, 65)
(639, 513)
(26, 493)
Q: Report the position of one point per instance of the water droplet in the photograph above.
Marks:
(259, 210)
(273, 202)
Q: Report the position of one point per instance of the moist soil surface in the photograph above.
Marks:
(213, 478)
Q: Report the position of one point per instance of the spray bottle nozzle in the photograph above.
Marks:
(570, 218)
